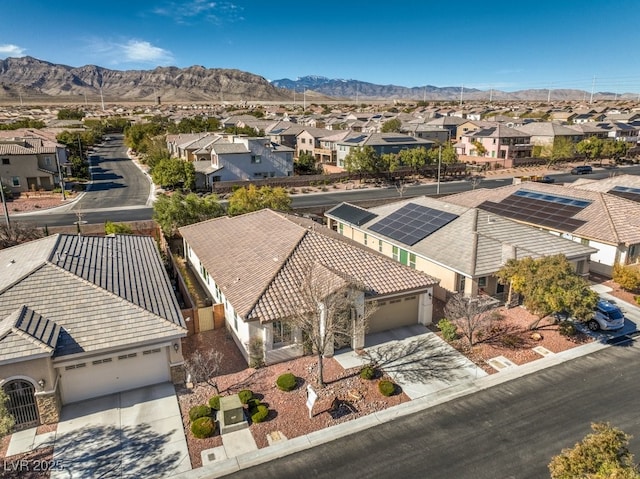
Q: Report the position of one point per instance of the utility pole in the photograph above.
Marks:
(461, 93)
(439, 163)
(593, 87)
(60, 177)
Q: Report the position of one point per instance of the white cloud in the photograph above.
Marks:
(193, 10)
(131, 51)
(141, 51)
(9, 50)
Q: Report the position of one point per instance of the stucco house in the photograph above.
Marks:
(82, 317)
(30, 163)
(241, 158)
(501, 144)
(255, 265)
(380, 142)
(461, 246)
(608, 222)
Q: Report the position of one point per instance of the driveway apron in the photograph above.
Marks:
(137, 433)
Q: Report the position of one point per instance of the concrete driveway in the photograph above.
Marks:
(415, 358)
(132, 434)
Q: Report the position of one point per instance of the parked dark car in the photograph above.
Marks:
(582, 170)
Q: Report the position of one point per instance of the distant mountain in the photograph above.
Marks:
(355, 89)
(29, 77)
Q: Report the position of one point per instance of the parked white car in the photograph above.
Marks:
(607, 316)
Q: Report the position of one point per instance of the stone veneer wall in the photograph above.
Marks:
(49, 406)
(177, 374)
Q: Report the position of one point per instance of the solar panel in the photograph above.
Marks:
(627, 192)
(352, 214)
(552, 198)
(538, 210)
(412, 223)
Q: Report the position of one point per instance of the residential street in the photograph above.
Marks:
(508, 431)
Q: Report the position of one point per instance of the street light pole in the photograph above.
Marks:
(439, 163)
(60, 178)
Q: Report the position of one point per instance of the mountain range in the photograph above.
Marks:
(31, 78)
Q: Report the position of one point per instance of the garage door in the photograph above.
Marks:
(394, 313)
(106, 375)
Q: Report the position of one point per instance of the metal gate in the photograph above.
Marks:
(22, 403)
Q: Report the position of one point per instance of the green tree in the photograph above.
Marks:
(306, 165)
(363, 160)
(246, 200)
(549, 285)
(174, 211)
(480, 148)
(591, 147)
(614, 149)
(6, 420)
(391, 161)
(603, 454)
(173, 172)
(563, 149)
(70, 114)
(111, 228)
(415, 158)
(391, 126)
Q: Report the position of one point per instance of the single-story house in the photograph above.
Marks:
(608, 222)
(82, 317)
(463, 247)
(255, 265)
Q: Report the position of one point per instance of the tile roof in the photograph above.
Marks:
(26, 333)
(547, 128)
(267, 254)
(229, 148)
(607, 218)
(102, 291)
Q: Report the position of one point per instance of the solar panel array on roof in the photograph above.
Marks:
(552, 211)
(563, 200)
(352, 214)
(412, 223)
(627, 192)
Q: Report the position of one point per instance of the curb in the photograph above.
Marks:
(300, 443)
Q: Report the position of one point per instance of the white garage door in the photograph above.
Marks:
(106, 375)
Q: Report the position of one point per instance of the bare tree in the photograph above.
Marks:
(401, 186)
(204, 367)
(18, 233)
(330, 307)
(468, 314)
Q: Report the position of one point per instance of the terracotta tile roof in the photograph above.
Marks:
(260, 259)
(607, 218)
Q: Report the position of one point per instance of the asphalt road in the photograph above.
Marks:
(116, 180)
(508, 431)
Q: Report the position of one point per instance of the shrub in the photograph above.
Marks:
(286, 382)
(386, 387)
(197, 412)
(628, 277)
(245, 395)
(253, 403)
(214, 403)
(449, 330)
(203, 427)
(259, 413)
(567, 328)
(256, 352)
(638, 300)
(368, 372)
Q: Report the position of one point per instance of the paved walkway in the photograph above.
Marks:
(417, 360)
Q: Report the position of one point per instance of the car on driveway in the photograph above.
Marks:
(607, 316)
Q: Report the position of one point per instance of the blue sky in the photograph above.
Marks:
(507, 45)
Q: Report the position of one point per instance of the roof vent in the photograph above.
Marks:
(491, 219)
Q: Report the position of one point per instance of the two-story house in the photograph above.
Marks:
(381, 143)
(494, 144)
(31, 163)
